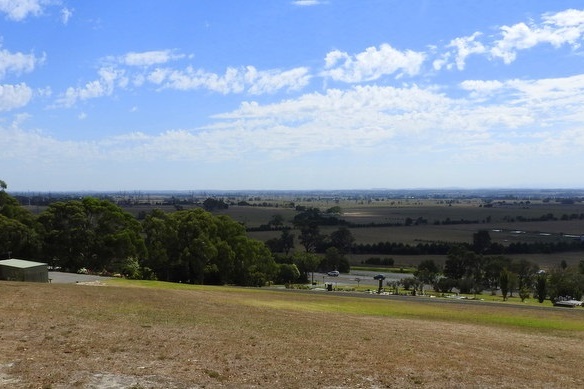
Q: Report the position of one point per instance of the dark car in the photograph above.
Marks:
(379, 277)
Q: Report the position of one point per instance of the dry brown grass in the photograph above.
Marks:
(67, 336)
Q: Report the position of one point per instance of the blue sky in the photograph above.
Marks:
(283, 94)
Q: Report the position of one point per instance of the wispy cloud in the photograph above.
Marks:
(109, 79)
(66, 15)
(306, 3)
(563, 28)
(496, 121)
(369, 117)
(371, 64)
(234, 80)
(461, 48)
(555, 29)
(149, 58)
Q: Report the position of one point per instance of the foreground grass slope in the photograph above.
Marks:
(153, 335)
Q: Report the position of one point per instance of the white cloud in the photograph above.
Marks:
(37, 146)
(16, 62)
(567, 18)
(109, 79)
(235, 80)
(158, 75)
(464, 47)
(149, 58)
(481, 87)
(372, 64)
(306, 3)
(14, 96)
(547, 102)
(66, 15)
(557, 29)
(18, 10)
(261, 82)
(416, 119)
(554, 99)
(562, 28)
(44, 92)
(191, 79)
(385, 126)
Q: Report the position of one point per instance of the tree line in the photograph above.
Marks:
(309, 220)
(191, 246)
(470, 272)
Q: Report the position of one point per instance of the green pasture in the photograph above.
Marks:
(485, 313)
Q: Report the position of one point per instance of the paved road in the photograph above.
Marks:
(58, 277)
(577, 312)
(365, 278)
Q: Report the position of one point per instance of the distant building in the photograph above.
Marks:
(21, 270)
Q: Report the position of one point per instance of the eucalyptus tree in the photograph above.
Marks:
(19, 230)
(541, 287)
(342, 239)
(159, 238)
(91, 233)
(194, 246)
(307, 264)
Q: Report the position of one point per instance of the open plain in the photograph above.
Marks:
(122, 334)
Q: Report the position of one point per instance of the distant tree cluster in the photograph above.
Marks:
(482, 244)
(191, 246)
(195, 246)
(212, 204)
(20, 231)
(379, 261)
(321, 252)
(469, 272)
(544, 218)
(395, 248)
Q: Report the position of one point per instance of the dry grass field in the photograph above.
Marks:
(156, 335)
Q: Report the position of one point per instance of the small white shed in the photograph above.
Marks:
(21, 270)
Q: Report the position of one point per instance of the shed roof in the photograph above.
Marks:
(20, 263)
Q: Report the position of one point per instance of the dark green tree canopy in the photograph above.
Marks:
(19, 229)
(90, 233)
(195, 246)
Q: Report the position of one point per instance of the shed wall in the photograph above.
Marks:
(30, 274)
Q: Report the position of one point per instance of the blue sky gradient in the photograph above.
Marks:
(307, 94)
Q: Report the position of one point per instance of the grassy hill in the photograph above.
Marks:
(149, 335)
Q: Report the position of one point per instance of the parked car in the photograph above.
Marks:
(333, 273)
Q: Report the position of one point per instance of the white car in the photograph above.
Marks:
(333, 273)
